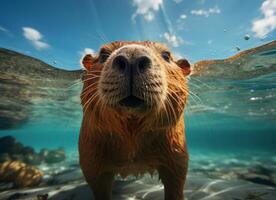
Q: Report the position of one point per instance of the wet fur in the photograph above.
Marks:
(114, 141)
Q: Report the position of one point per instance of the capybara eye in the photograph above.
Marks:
(166, 56)
(103, 56)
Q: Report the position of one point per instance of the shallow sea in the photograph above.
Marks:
(230, 124)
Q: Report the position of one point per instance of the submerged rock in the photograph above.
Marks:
(20, 174)
(27, 150)
(4, 157)
(11, 150)
(55, 156)
(32, 159)
(43, 152)
(9, 145)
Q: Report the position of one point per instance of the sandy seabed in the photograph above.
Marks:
(208, 179)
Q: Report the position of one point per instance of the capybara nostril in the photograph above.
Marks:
(120, 63)
(143, 63)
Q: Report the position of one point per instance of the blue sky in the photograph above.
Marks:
(58, 32)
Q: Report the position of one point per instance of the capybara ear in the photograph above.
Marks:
(185, 66)
(87, 61)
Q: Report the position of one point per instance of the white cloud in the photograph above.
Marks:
(146, 8)
(87, 51)
(31, 34)
(210, 42)
(177, 1)
(183, 16)
(40, 45)
(149, 16)
(35, 37)
(177, 55)
(4, 29)
(172, 39)
(181, 21)
(262, 27)
(206, 13)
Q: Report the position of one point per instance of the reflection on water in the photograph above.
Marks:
(230, 126)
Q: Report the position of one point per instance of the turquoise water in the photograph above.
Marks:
(221, 116)
(230, 121)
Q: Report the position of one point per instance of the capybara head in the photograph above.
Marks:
(138, 79)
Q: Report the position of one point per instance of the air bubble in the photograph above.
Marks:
(246, 37)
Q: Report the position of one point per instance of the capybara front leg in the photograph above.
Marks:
(102, 186)
(173, 180)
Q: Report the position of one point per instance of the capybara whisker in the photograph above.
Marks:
(201, 82)
(78, 81)
(86, 104)
(90, 78)
(89, 89)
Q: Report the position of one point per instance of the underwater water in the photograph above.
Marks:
(230, 115)
(230, 121)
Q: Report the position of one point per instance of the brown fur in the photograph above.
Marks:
(113, 141)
